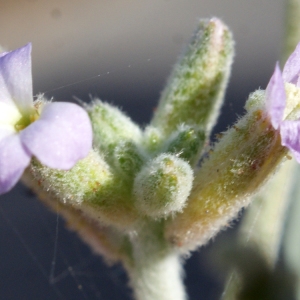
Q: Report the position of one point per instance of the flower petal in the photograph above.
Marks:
(9, 114)
(291, 70)
(16, 78)
(61, 136)
(13, 160)
(5, 131)
(290, 136)
(276, 97)
(3, 53)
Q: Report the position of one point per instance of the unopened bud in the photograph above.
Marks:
(128, 159)
(196, 87)
(152, 139)
(187, 143)
(162, 186)
(110, 126)
(91, 187)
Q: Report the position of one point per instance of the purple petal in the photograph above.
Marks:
(6, 131)
(291, 69)
(290, 136)
(61, 136)
(16, 79)
(3, 53)
(276, 98)
(13, 160)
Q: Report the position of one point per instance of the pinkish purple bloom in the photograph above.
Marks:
(58, 134)
(276, 102)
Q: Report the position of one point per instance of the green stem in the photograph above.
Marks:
(155, 271)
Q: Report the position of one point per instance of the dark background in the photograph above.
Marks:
(132, 45)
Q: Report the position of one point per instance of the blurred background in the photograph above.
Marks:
(122, 52)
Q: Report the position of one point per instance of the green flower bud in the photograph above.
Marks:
(187, 143)
(241, 162)
(110, 126)
(196, 87)
(152, 139)
(162, 186)
(91, 187)
(128, 159)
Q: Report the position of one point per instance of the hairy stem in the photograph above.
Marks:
(155, 271)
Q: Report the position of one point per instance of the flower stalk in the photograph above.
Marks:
(155, 270)
(233, 172)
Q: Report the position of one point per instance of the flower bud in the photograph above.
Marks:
(152, 139)
(196, 87)
(162, 186)
(187, 143)
(110, 126)
(128, 159)
(92, 187)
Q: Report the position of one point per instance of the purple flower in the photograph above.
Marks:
(276, 102)
(58, 134)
